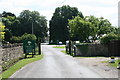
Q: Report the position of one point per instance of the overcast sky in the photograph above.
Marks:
(99, 8)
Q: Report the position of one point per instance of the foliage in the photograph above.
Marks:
(29, 19)
(59, 22)
(81, 29)
(9, 19)
(15, 39)
(28, 37)
(8, 35)
(18, 39)
(103, 26)
(17, 26)
(109, 37)
(90, 28)
(1, 31)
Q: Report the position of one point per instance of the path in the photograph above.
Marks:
(55, 64)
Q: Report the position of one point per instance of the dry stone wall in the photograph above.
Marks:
(9, 54)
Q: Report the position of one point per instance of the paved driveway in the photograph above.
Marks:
(55, 64)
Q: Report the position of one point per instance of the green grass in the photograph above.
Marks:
(64, 51)
(59, 47)
(19, 65)
(112, 64)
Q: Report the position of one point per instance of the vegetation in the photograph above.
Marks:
(59, 47)
(81, 29)
(1, 31)
(89, 29)
(19, 65)
(112, 64)
(25, 36)
(64, 51)
(59, 23)
(30, 22)
(109, 37)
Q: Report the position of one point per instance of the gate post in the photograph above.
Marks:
(39, 46)
(69, 47)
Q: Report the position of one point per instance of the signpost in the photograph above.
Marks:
(29, 47)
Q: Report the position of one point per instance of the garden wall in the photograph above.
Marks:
(10, 54)
(0, 60)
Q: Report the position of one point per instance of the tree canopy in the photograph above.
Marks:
(89, 28)
(59, 22)
(1, 31)
(30, 22)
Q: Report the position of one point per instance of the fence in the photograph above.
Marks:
(112, 49)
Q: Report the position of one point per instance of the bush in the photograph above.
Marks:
(109, 37)
(28, 37)
(25, 36)
(15, 39)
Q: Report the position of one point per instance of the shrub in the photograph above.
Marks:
(28, 37)
(109, 37)
(15, 39)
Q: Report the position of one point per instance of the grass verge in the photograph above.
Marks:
(59, 47)
(64, 51)
(112, 64)
(19, 65)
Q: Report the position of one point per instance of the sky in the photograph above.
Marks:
(99, 8)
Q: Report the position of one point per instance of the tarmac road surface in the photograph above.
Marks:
(55, 64)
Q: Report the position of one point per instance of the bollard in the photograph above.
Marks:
(112, 59)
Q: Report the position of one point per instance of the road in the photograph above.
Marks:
(55, 64)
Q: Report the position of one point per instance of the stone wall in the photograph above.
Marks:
(0, 59)
(10, 54)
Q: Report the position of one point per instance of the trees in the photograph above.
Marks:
(59, 22)
(1, 31)
(9, 19)
(81, 29)
(32, 22)
(103, 26)
(20, 39)
(89, 28)
(109, 37)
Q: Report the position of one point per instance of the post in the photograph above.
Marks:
(39, 46)
(69, 47)
(74, 50)
(32, 28)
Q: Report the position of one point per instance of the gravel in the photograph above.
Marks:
(96, 65)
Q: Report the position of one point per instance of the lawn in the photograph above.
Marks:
(64, 51)
(19, 65)
(112, 64)
(59, 47)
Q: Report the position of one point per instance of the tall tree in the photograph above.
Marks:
(32, 22)
(59, 22)
(8, 19)
(81, 29)
(103, 26)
